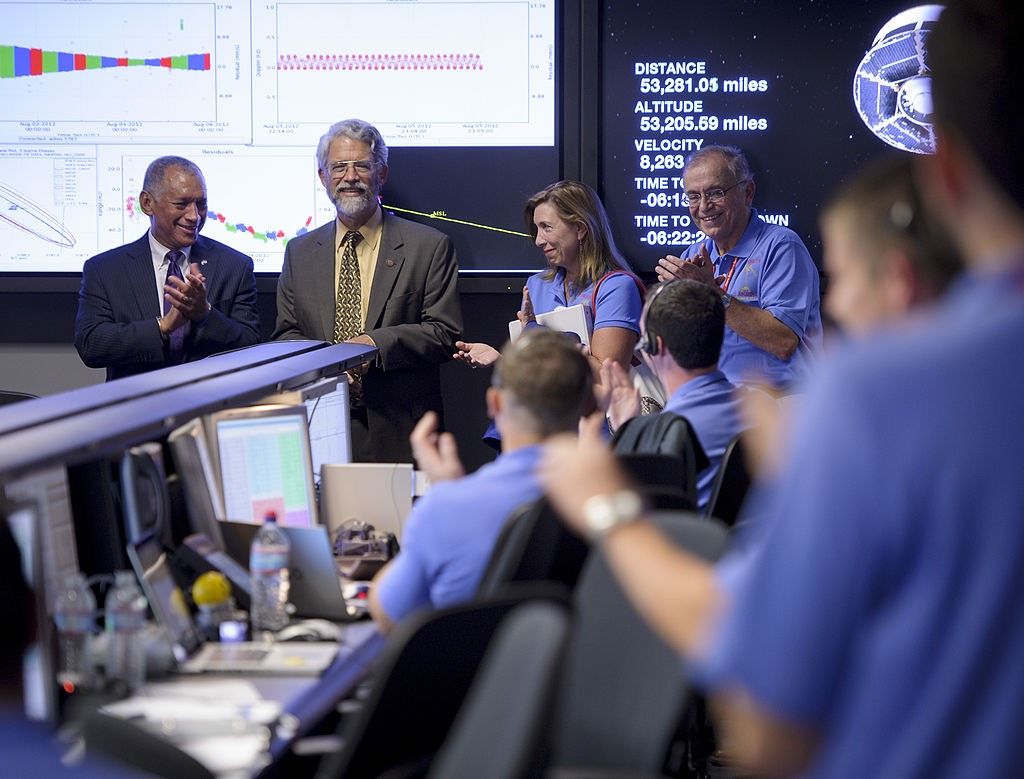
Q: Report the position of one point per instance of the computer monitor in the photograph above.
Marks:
(330, 438)
(327, 410)
(265, 464)
(46, 490)
(198, 479)
(144, 495)
(39, 688)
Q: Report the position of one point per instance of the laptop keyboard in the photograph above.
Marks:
(241, 654)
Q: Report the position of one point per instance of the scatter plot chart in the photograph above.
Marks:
(257, 201)
(425, 73)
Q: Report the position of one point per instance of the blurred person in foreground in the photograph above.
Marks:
(889, 262)
(879, 629)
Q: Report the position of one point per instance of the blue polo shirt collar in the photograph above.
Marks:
(747, 241)
(697, 386)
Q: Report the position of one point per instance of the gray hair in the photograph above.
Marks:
(734, 158)
(157, 172)
(357, 130)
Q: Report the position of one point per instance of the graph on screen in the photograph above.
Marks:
(428, 72)
(47, 208)
(94, 90)
(110, 71)
(244, 188)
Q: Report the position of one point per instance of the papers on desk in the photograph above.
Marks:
(568, 320)
(225, 724)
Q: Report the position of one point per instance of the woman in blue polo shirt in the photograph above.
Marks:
(569, 225)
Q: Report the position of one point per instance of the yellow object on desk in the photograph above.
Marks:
(211, 588)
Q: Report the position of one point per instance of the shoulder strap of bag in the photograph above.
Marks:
(619, 272)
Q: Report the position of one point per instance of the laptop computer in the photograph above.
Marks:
(315, 587)
(192, 656)
(379, 494)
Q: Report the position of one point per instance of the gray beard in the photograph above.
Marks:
(354, 207)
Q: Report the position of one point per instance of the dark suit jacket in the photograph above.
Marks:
(118, 307)
(413, 316)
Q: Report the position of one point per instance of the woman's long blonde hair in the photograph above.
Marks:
(578, 204)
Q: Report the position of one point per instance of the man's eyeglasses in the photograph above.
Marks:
(716, 195)
(361, 167)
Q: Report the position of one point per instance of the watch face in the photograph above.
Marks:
(605, 512)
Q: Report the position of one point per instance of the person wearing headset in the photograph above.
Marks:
(681, 334)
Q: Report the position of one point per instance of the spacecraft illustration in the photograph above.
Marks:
(892, 88)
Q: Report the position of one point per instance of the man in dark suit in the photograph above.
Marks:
(172, 296)
(370, 277)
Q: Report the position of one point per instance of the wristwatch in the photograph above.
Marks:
(604, 513)
(726, 301)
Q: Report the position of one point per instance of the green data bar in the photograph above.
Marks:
(136, 63)
(49, 62)
(6, 62)
(179, 63)
(92, 62)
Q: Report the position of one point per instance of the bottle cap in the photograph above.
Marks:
(211, 588)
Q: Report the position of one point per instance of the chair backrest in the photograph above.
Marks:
(664, 434)
(9, 396)
(534, 545)
(731, 484)
(126, 742)
(624, 690)
(419, 682)
(664, 479)
(502, 729)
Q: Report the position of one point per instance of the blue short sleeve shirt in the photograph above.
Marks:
(710, 405)
(618, 300)
(885, 605)
(771, 269)
(451, 533)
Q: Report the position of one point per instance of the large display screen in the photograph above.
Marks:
(463, 91)
(809, 90)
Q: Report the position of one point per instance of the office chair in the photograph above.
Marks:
(9, 396)
(624, 691)
(502, 729)
(664, 480)
(420, 681)
(731, 484)
(534, 545)
(663, 434)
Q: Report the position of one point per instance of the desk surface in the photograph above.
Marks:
(304, 702)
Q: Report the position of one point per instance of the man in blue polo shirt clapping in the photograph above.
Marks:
(541, 386)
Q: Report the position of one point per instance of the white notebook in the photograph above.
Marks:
(568, 320)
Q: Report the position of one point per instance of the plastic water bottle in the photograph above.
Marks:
(125, 609)
(75, 615)
(268, 565)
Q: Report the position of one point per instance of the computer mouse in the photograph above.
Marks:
(310, 630)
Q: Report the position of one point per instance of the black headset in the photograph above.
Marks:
(648, 342)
